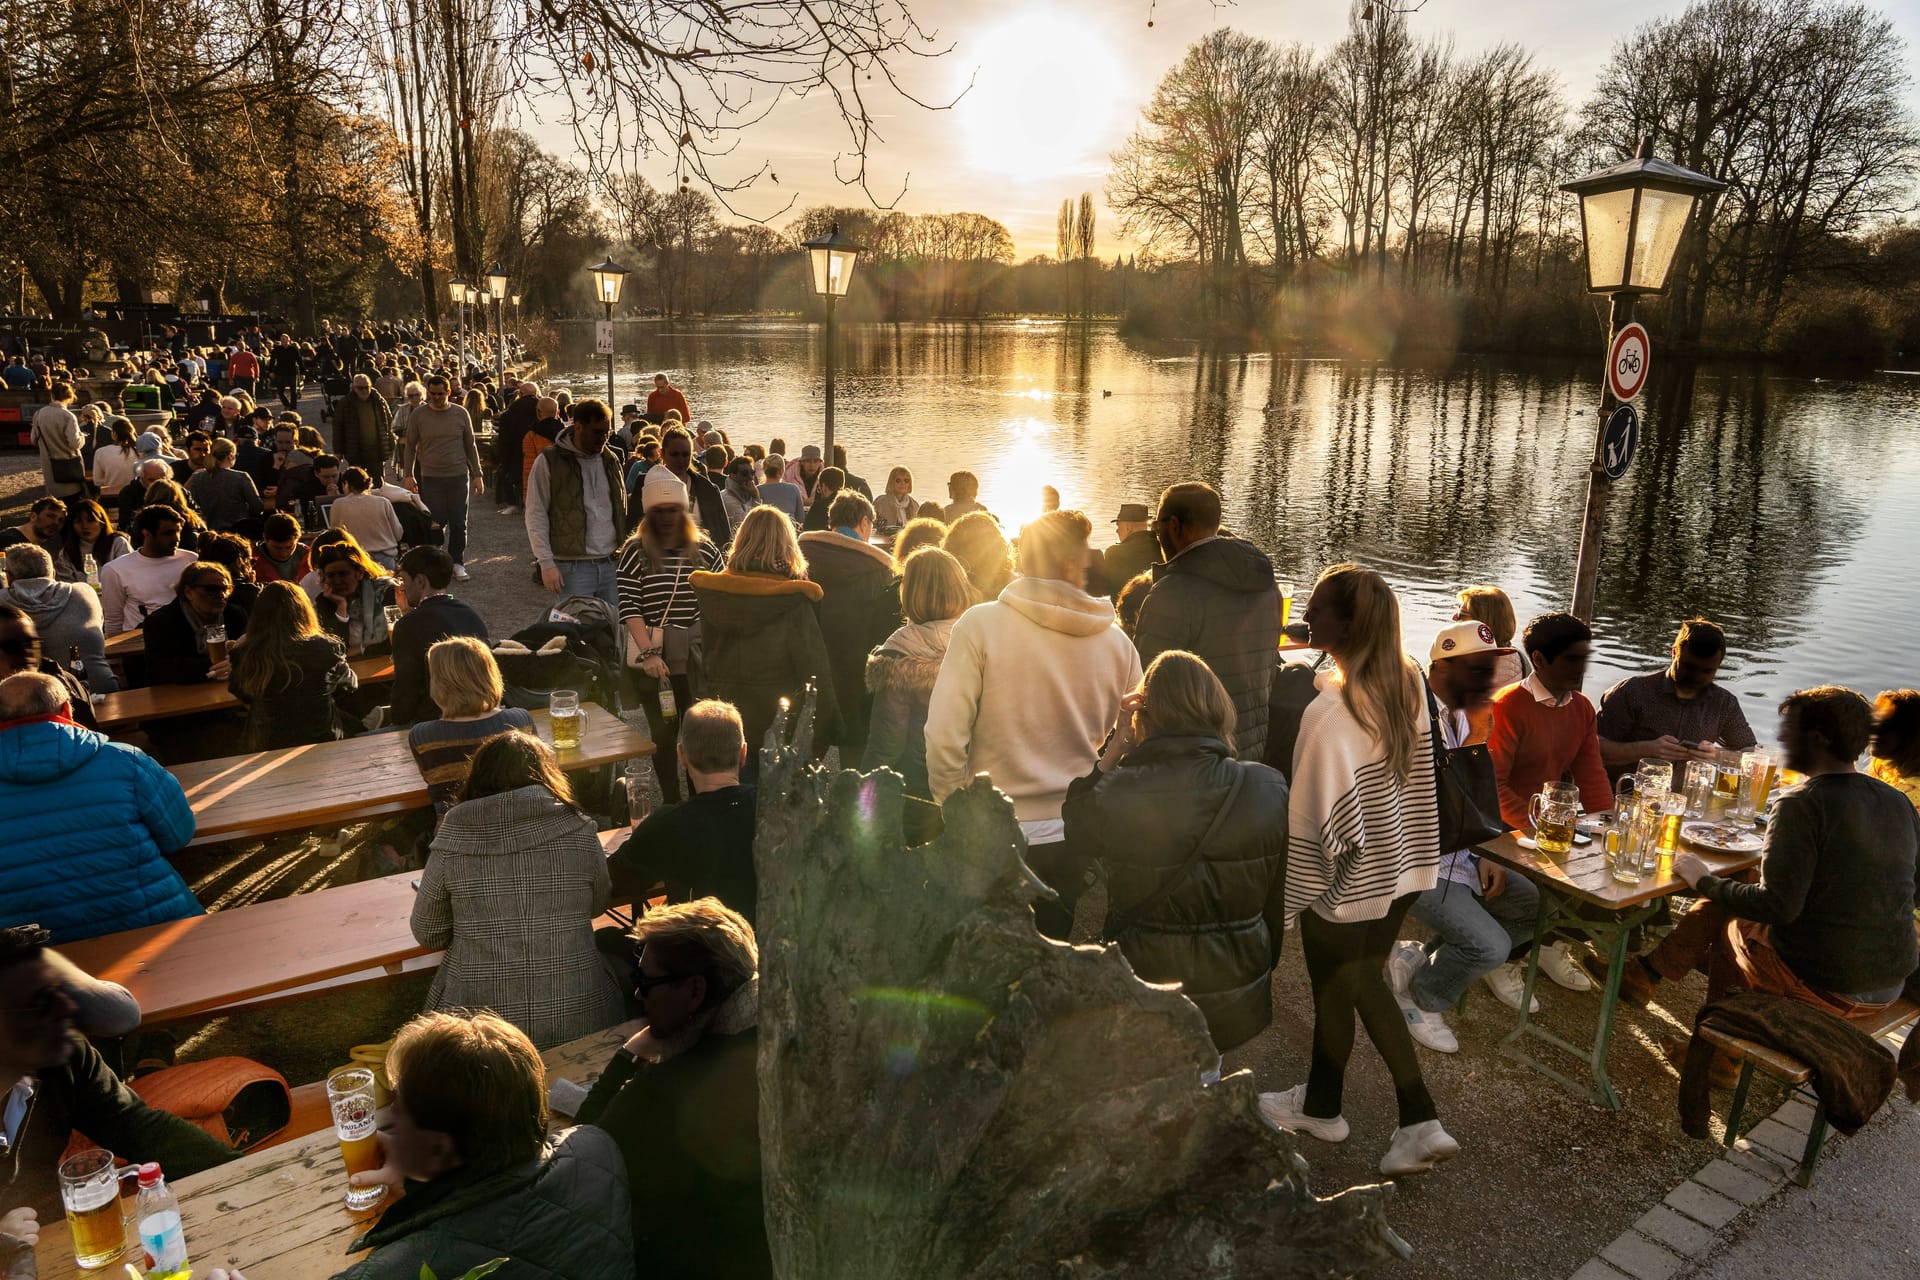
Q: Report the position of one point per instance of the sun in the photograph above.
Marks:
(1044, 94)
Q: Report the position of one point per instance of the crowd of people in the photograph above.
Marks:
(1132, 702)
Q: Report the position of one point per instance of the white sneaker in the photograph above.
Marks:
(1405, 960)
(1429, 1029)
(1508, 983)
(1417, 1149)
(1557, 962)
(1282, 1110)
(460, 572)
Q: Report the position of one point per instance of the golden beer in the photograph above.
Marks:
(1670, 832)
(90, 1194)
(361, 1154)
(1726, 783)
(216, 651)
(350, 1094)
(1553, 836)
(1763, 785)
(566, 729)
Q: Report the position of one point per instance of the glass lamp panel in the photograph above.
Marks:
(1606, 215)
(497, 283)
(1663, 220)
(817, 260)
(457, 290)
(839, 271)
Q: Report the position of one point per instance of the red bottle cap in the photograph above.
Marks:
(149, 1174)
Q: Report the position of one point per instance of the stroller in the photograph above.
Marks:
(335, 387)
(577, 649)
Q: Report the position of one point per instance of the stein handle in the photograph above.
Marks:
(1535, 803)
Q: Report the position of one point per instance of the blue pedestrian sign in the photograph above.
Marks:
(1622, 437)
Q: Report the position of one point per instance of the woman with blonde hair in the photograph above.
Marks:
(1363, 843)
(287, 671)
(464, 682)
(919, 532)
(901, 671)
(1194, 843)
(896, 505)
(1491, 606)
(760, 630)
(977, 541)
(516, 878)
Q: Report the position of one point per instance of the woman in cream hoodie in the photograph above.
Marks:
(1030, 685)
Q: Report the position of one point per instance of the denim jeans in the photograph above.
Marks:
(1477, 935)
(591, 578)
(446, 497)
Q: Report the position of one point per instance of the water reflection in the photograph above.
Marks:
(1781, 507)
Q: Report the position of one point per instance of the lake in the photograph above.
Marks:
(1785, 507)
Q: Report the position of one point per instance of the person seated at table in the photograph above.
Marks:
(467, 688)
(1831, 921)
(226, 495)
(432, 615)
(1543, 731)
(682, 1097)
(1896, 742)
(288, 673)
(88, 531)
(176, 636)
(1481, 916)
(516, 878)
(234, 554)
(66, 614)
(134, 586)
(1491, 606)
(1676, 714)
(281, 556)
(318, 485)
(703, 847)
(54, 1084)
(354, 595)
(173, 496)
(21, 650)
(369, 517)
(465, 1137)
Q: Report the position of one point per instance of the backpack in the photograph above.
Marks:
(1293, 689)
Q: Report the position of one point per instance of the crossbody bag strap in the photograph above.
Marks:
(1131, 915)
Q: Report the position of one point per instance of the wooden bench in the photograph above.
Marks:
(129, 707)
(353, 780)
(1789, 1070)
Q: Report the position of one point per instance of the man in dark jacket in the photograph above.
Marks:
(363, 434)
(860, 610)
(676, 455)
(1216, 597)
(465, 1134)
(1136, 551)
(53, 1084)
(432, 615)
(682, 1098)
(510, 429)
(703, 848)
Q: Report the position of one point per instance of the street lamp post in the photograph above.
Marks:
(831, 257)
(608, 276)
(473, 304)
(1632, 219)
(497, 285)
(457, 292)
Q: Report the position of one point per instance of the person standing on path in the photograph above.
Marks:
(576, 510)
(56, 433)
(363, 436)
(441, 462)
(665, 396)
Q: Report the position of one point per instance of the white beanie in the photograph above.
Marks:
(661, 488)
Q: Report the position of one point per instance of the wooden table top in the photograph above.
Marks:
(167, 701)
(353, 780)
(1583, 872)
(127, 643)
(278, 1214)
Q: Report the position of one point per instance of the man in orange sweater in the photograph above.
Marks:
(665, 396)
(1543, 731)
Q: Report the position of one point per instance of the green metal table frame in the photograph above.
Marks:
(1610, 934)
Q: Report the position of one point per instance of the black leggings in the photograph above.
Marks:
(1345, 963)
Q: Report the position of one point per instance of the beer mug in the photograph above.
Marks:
(1653, 775)
(90, 1194)
(563, 709)
(1700, 781)
(350, 1095)
(1761, 770)
(1727, 772)
(217, 643)
(1554, 811)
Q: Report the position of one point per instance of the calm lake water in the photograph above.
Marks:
(1785, 507)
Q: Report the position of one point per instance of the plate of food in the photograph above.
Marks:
(1721, 838)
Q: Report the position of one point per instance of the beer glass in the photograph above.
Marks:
(216, 644)
(350, 1093)
(1286, 603)
(563, 707)
(1761, 771)
(90, 1193)
(1554, 812)
(1653, 775)
(1673, 810)
(392, 613)
(1700, 781)
(1726, 778)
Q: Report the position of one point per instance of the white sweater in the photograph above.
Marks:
(1028, 690)
(1357, 836)
(133, 586)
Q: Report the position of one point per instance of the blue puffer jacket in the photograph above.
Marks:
(85, 827)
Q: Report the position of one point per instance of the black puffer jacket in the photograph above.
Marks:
(760, 640)
(1217, 929)
(860, 610)
(1218, 600)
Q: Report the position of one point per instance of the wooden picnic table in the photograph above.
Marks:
(127, 644)
(129, 707)
(353, 780)
(1580, 896)
(278, 1214)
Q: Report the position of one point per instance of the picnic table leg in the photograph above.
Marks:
(1541, 915)
(1612, 935)
(1622, 931)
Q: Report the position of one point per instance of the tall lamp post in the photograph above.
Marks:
(497, 285)
(608, 276)
(831, 256)
(457, 291)
(486, 328)
(1632, 219)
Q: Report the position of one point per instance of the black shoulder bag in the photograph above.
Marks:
(1118, 923)
(1468, 791)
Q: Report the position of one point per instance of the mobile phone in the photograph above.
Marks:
(415, 884)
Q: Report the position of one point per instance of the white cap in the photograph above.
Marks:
(661, 488)
(1462, 639)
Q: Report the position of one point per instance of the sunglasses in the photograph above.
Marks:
(644, 984)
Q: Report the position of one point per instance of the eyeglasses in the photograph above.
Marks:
(644, 984)
(212, 588)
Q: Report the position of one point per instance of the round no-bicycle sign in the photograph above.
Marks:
(1627, 362)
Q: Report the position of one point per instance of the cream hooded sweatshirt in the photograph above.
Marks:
(1030, 686)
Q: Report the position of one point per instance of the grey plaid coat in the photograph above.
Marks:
(511, 892)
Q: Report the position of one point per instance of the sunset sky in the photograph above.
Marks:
(1059, 84)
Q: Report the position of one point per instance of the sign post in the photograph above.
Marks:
(1628, 360)
(1626, 371)
(603, 337)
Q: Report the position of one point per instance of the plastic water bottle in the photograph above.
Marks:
(162, 1238)
(90, 569)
